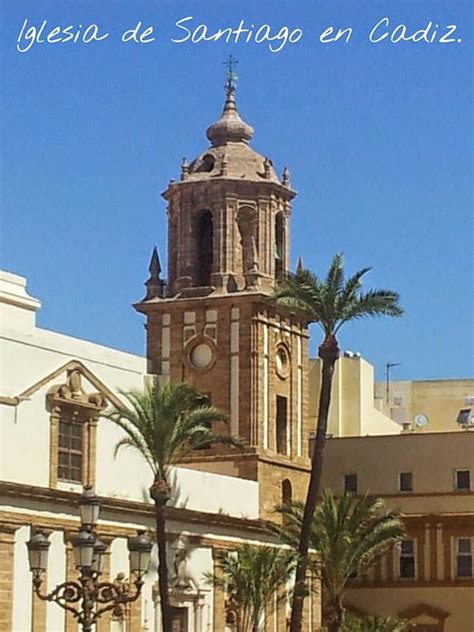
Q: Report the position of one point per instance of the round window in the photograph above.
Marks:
(282, 362)
(201, 356)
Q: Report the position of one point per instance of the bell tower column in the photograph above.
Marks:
(215, 322)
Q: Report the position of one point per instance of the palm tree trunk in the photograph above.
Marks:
(162, 568)
(328, 352)
(160, 492)
(337, 617)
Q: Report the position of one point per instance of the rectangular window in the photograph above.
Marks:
(463, 480)
(405, 482)
(196, 441)
(282, 425)
(463, 557)
(407, 559)
(70, 451)
(350, 483)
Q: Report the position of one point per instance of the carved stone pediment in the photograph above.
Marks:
(72, 392)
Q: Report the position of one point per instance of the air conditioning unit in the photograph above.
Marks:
(398, 401)
(465, 418)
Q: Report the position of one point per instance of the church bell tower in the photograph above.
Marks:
(214, 322)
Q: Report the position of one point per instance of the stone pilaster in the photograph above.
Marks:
(53, 446)
(7, 561)
(91, 455)
(135, 614)
(219, 612)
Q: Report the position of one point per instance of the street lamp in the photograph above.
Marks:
(139, 549)
(87, 598)
(83, 548)
(89, 507)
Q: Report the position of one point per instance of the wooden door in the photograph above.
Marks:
(180, 619)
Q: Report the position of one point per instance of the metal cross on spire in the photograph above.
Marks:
(232, 77)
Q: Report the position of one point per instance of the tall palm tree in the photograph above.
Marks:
(331, 303)
(165, 424)
(349, 534)
(251, 577)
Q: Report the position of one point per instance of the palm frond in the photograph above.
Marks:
(164, 423)
(372, 303)
(252, 576)
(334, 281)
(333, 301)
(376, 624)
(348, 533)
(349, 291)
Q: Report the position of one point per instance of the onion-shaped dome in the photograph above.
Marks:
(230, 128)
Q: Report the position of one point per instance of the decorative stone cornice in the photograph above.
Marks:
(44, 495)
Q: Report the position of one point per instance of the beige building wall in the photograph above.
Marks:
(360, 406)
(431, 458)
(438, 400)
(353, 410)
(456, 603)
(436, 514)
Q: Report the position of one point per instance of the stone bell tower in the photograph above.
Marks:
(214, 322)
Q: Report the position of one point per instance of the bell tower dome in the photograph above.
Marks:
(228, 215)
(215, 324)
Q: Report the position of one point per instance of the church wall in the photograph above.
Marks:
(26, 426)
(271, 477)
(28, 359)
(203, 536)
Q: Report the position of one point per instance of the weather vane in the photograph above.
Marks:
(232, 77)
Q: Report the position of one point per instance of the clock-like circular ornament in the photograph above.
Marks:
(282, 362)
(201, 356)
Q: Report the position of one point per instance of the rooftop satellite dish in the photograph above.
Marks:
(421, 421)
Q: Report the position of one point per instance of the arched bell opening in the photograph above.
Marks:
(205, 237)
(280, 245)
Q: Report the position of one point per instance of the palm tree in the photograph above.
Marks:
(165, 424)
(251, 577)
(349, 534)
(331, 303)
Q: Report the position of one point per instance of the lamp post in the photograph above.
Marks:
(87, 598)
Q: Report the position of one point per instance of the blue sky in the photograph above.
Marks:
(378, 138)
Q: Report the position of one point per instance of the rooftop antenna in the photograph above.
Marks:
(388, 367)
